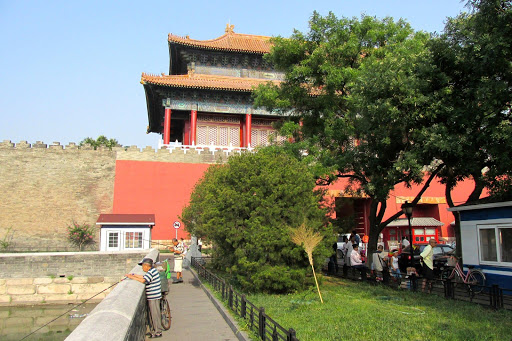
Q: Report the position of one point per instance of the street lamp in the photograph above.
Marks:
(407, 209)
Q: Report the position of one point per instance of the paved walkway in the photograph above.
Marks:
(194, 316)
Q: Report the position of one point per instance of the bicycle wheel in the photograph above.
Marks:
(476, 279)
(165, 311)
(446, 273)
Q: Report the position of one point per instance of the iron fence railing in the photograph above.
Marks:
(493, 296)
(257, 320)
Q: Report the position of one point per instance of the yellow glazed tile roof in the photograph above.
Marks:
(230, 41)
(200, 81)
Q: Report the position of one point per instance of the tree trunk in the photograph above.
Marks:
(374, 232)
(456, 228)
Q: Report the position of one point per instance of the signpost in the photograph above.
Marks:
(176, 226)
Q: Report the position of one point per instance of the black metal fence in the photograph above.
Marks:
(257, 320)
(493, 296)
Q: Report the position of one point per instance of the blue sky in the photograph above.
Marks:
(71, 69)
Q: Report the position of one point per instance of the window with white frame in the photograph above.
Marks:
(495, 243)
(113, 239)
(505, 235)
(133, 240)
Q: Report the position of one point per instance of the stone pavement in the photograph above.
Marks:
(194, 315)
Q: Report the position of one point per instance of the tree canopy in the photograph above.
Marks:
(355, 85)
(246, 208)
(472, 91)
(100, 141)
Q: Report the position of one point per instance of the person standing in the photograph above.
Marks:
(357, 239)
(427, 256)
(153, 294)
(405, 242)
(199, 244)
(378, 262)
(178, 250)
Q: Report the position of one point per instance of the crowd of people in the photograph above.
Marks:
(384, 265)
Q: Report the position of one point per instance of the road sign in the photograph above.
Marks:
(176, 224)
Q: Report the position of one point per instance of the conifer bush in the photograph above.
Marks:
(246, 207)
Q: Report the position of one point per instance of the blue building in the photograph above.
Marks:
(486, 237)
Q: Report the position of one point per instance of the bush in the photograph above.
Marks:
(81, 235)
(245, 208)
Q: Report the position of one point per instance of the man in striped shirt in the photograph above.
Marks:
(153, 294)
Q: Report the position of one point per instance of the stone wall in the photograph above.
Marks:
(61, 277)
(44, 188)
(120, 316)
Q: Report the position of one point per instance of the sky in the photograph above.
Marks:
(71, 69)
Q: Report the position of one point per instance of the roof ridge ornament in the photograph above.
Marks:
(229, 28)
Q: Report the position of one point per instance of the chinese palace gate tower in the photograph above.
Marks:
(204, 104)
(205, 101)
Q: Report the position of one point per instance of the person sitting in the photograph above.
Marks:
(394, 266)
(356, 262)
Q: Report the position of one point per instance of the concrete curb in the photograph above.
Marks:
(241, 335)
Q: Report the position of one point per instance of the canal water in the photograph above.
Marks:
(18, 322)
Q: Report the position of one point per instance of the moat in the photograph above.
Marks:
(18, 322)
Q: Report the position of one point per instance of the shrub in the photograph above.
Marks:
(81, 235)
(245, 208)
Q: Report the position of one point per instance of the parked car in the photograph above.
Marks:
(442, 253)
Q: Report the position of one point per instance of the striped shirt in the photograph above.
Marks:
(153, 289)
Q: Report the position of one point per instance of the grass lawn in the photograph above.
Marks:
(360, 311)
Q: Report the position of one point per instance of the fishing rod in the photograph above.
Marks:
(76, 306)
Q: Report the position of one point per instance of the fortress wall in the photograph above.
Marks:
(43, 189)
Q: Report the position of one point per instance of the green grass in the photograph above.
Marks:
(360, 311)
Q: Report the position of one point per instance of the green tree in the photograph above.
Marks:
(100, 141)
(246, 207)
(354, 84)
(471, 91)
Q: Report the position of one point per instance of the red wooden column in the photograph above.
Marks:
(167, 126)
(193, 127)
(248, 122)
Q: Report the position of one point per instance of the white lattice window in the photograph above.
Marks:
(202, 134)
(223, 136)
(218, 136)
(264, 138)
(234, 136)
(212, 135)
(254, 138)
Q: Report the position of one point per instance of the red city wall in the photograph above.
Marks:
(435, 191)
(162, 188)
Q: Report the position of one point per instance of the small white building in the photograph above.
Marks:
(120, 232)
(486, 237)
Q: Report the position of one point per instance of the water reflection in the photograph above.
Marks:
(18, 322)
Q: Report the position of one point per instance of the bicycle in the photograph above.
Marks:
(165, 313)
(474, 278)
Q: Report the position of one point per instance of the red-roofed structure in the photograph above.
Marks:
(205, 100)
(124, 219)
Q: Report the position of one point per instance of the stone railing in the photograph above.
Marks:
(120, 316)
(41, 278)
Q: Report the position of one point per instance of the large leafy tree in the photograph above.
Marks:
(355, 85)
(246, 207)
(471, 88)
